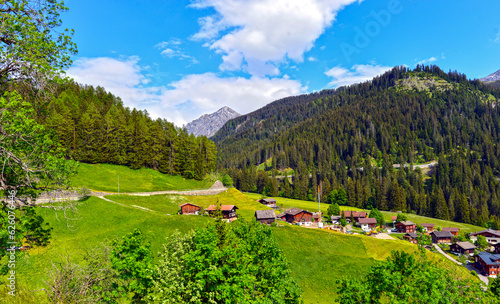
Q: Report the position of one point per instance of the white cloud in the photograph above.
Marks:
(172, 49)
(497, 38)
(256, 35)
(183, 100)
(358, 73)
(311, 58)
(428, 60)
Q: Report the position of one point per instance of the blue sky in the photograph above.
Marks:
(181, 59)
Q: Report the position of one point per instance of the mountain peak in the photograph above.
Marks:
(492, 77)
(209, 124)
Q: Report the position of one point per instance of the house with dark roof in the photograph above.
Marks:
(428, 228)
(412, 237)
(492, 236)
(269, 202)
(265, 216)
(228, 212)
(189, 208)
(488, 263)
(406, 226)
(368, 224)
(439, 237)
(453, 230)
(335, 219)
(355, 214)
(460, 248)
(297, 216)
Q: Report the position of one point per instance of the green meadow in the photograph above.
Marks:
(104, 177)
(317, 257)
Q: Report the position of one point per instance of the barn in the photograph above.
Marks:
(189, 208)
(265, 216)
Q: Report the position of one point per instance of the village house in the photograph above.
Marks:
(428, 228)
(269, 202)
(228, 212)
(439, 237)
(405, 226)
(335, 219)
(492, 236)
(411, 237)
(460, 248)
(298, 216)
(265, 216)
(488, 263)
(394, 219)
(355, 214)
(453, 230)
(497, 248)
(367, 224)
(189, 208)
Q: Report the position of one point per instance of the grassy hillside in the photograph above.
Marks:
(104, 177)
(317, 257)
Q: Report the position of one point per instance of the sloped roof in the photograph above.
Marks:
(494, 232)
(268, 200)
(451, 229)
(407, 223)
(393, 218)
(442, 234)
(186, 204)
(427, 225)
(222, 207)
(413, 235)
(488, 258)
(354, 214)
(295, 211)
(368, 220)
(265, 214)
(466, 245)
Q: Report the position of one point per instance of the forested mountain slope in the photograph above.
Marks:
(95, 127)
(402, 116)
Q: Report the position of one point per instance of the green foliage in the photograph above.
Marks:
(424, 239)
(227, 180)
(32, 47)
(401, 217)
(405, 278)
(375, 213)
(494, 287)
(35, 231)
(333, 209)
(132, 259)
(248, 268)
(482, 243)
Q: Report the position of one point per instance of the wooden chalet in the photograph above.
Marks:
(368, 224)
(335, 219)
(295, 215)
(428, 228)
(269, 202)
(265, 216)
(460, 248)
(228, 211)
(492, 236)
(411, 237)
(355, 214)
(189, 208)
(406, 226)
(453, 230)
(439, 237)
(488, 263)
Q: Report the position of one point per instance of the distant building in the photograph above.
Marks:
(355, 214)
(368, 224)
(335, 219)
(428, 228)
(189, 208)
(488, 263)
(439, 237)
(265, 216)
(412, 237)
(405, 226)
(453, 230)
(269, 202)
(298, 216)
(492, 236)
(228, 211)
(466, 248)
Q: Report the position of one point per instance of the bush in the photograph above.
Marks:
(227, 181)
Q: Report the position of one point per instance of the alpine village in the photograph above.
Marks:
(382, 186)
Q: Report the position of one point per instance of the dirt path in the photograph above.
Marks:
(383, 236)
(216, 188)
(445, 254)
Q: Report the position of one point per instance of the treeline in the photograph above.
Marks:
(95, 127)
(375, 125)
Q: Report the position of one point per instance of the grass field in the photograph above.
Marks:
(317, 257)
(104, 177)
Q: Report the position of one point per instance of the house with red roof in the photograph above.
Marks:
(297, 216)
(428, 228)
(453, 230)
(228, 212)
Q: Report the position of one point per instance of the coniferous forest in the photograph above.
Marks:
(95, 127)
(349, 139)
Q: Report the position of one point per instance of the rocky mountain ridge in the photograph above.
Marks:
(209, 124)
